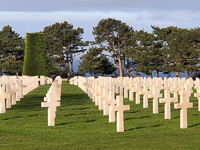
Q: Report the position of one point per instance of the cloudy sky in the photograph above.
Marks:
(33, 15)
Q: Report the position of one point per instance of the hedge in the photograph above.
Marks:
(35, 59)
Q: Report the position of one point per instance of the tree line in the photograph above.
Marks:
(117, 46)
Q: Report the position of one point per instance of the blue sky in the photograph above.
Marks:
(32, 16)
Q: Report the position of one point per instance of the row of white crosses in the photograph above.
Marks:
(52, 100)
(45, 80)
(102, 92)
(13, 88)
(149, 88)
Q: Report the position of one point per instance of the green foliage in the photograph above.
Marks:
(35, 60)
(63, 42)
(95, 63)
(179, 48)
(115, 36)
(11, 51)
(148, 56)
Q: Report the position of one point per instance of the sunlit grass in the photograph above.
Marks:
(80, 125)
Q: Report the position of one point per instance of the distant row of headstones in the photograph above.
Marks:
(13, 88)
(102, 91)
(52, 100)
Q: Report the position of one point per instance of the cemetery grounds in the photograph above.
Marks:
(80, 125)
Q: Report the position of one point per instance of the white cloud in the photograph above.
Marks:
(60, 16)
(135, 16)
(140, 19)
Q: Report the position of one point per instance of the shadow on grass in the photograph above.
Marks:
(197, 124)
(157, 125)
(142, 117)
(137, 128)
(131, 129)
(65, 123)
(31, 115)
(90, 120)
(82, 108)
(132, 112)
(175, 117)
(82, 114)
(12, 117)
(69, 115)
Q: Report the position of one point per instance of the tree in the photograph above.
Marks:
(63, 42)
(11, 51)
(179, 49)
(95, 63)
(35, 59)
(111, 35)
(148, 56)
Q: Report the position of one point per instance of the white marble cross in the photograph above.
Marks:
(132, 90)
(120, 108)
(155, 95)
(51, 103)
(183, 105)
(111, 103)
(9, 94)
(145, 92)
(105, 100)
(2, 100)
(137, 90)
(100, 97)
(197, 95)
(167, 100)
(14, 92)
(175, 89)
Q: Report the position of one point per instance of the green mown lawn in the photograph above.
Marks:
(80, 125)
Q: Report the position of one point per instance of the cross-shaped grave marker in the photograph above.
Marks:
(155, 95)
(100, 98)
(51, 103)
(167, 100)
(145, 92)
(132, 90)
(9, 94)
(2, 100)
(175, 89)
(105, 100)
(120, 108)
(111, 103)
(184, 105)
(137, 90)
(14, 93)
(197, 95)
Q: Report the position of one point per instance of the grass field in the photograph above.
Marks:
(80, 125)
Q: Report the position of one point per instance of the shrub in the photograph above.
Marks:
(35, 59)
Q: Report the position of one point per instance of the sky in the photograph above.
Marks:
(27, 16)
(33, 15)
